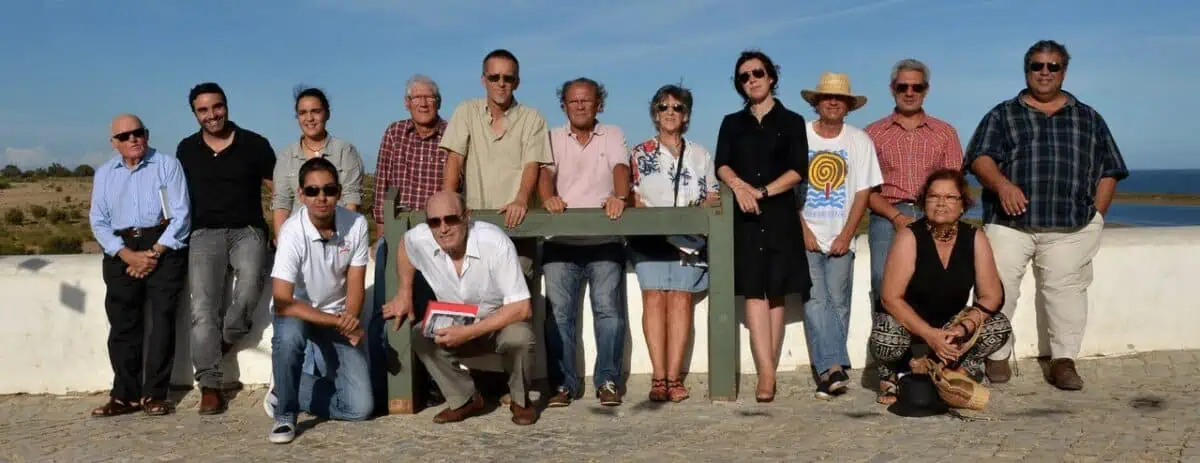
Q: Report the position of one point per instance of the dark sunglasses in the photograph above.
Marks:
(916, 88)
(508, 78)
(449, 220)
(757, 73)
(678, 107)
(138, 133)
(330, 190)
(1037, 66)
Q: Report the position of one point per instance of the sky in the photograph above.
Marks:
(70, 65)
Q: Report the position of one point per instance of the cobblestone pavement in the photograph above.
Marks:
(1138, 408)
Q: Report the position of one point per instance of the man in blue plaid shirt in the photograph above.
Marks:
(1049, 167)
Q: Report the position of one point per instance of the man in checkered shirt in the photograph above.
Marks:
(1049, 167)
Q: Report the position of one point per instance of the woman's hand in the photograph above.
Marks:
(747, 199)
(942, 343)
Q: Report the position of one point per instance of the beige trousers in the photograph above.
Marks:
(515, 343)
(1062, 271)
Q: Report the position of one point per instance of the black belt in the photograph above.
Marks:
(134, 232)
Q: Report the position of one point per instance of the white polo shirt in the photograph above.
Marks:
(318, 267)
(491, 274)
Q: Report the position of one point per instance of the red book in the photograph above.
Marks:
(439, 315)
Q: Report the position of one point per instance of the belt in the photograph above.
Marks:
(134, 232)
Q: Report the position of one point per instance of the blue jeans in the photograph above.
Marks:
(566, 268)
(377, 342)
(880, 233)
(340, 390)
(827, 313)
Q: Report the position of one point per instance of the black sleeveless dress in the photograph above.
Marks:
(935, 292)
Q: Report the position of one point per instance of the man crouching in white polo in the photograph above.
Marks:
(319, 281)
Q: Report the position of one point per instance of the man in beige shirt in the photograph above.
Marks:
(495, 148)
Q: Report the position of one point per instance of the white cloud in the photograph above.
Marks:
(26, 158)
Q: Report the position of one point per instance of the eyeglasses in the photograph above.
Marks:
(757, 73)
(449, 220)
(677, 107)
(508, 78)
(330, 190)
(943, 198)
(1037, 66)
(916, 88)
(139, 132)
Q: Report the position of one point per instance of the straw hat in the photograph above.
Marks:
(833, 83)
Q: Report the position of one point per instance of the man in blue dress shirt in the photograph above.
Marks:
(140, 216)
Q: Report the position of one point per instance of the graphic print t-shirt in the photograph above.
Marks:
(837, 169)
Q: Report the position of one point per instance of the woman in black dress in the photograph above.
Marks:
(762, 153)
(931, 268)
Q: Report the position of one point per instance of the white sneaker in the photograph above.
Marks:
(270, 402)
(282, 433)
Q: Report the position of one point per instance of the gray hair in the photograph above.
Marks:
(679, 93)
(424, 80)
(910, 64)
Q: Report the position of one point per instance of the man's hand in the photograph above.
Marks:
(355, 336)
(453, 336)
(711, 199)
(139, 262)
(901, 221)
(514, 212)
(1012, 199)
(614, 207)
(840, 245)
(347, 324)
(555, 205)
(398, 308)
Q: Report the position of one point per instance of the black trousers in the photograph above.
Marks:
(125, 304)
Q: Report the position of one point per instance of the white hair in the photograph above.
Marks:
(910, 65)
(423, 80)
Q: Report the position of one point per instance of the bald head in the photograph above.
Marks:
(445, 203)
(124, 123)
(129, 136)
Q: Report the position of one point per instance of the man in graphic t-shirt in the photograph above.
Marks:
(842, 170)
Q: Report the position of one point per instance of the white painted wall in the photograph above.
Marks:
(54, 330)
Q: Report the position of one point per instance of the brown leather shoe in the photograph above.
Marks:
(1064, 376)
(454, 415)
(561, 399)
(998, 371)
(608, 395)
(524, 416)
(212, 402)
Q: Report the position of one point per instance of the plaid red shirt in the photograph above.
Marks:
(410, 164)
(907, 157)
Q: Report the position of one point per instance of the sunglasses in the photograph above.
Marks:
(449, 220)
(916, 88)
(330, 190)
(1037, 66)
(677, 107)
(757, 73)
(508, 78)
(135, 133)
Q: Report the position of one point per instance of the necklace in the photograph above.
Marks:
(943, 234)
(315, 151)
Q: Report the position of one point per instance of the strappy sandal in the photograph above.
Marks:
(115, 407)
(887, 392)
(659, 391)
(156, 407)
(676, 390)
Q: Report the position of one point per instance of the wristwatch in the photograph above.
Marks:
(763, 190)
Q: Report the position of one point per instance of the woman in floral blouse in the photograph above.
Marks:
(669, 171)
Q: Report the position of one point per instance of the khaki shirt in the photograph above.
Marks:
(493, 164)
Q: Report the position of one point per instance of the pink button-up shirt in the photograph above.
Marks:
(584, 172)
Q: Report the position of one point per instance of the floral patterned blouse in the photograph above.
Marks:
(654, 174)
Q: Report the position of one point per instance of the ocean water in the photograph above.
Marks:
(1182, 181)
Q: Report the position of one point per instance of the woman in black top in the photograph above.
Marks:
(931, 269)
(762, 152)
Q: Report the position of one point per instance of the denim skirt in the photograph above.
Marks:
(668, 275)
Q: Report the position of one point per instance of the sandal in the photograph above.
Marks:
(156, 407)
(115, 407)
(887, 392)
(659, 391)
(676, 390)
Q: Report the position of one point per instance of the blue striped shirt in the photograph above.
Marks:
(124, 198)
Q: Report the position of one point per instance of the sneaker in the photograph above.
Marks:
(282, 433)
(839, 380)
(270, 402)
(561, 398)
(608, 395)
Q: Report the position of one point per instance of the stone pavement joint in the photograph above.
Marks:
(1135, 408)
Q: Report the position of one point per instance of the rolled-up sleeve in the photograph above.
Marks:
(458, 131)
(1112, 164)
(352, 164)
(178, 205)
(724, 154)
(952, 153)
(284, 195)
(989, 139)
(99, 215)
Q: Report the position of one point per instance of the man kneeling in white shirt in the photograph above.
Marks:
(475, 263)
(319, 281)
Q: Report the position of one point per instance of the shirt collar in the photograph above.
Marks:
(511, 108)
(310, 231)
(298, 153)
(598, 129)
(439, 126)
(893, 118)
(472, 243)
(148, 158)
(1019, 99)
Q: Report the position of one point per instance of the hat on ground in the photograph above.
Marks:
(833, 83)
(917, 397)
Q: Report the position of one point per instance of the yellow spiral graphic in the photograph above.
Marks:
(826, 172)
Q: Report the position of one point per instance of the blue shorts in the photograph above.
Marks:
(668, 275)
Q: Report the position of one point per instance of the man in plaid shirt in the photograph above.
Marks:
(1049, 167)
(410, 162)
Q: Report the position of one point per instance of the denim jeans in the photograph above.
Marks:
(567, 268)
(827, 313)
(341, 388)
(211, 252)
(880, 233)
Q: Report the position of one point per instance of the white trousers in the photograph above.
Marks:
(1062, 271)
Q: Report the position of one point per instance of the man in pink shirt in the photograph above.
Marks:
(590, 170)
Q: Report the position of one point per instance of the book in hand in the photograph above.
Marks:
(439, 315)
